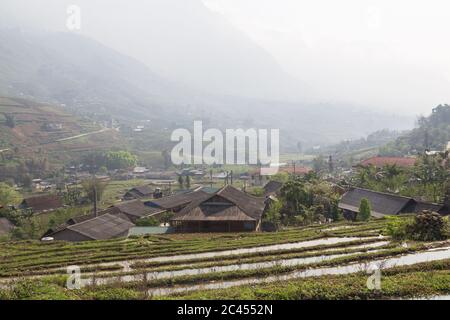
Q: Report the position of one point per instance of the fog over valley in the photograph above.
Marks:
(323, 80)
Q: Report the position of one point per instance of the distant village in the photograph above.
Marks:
(196, 200)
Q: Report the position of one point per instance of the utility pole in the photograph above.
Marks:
(211, 177)
(231, 177)
(94, 190)
(95, 199)
(226, 178)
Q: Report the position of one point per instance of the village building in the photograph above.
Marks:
(140, 170)
(383, 204)
(380, 162)
(103, 227)
(272, 188)
(176, 202)
(139, 193)
(134, 210)
(41, 204)
(228, 210)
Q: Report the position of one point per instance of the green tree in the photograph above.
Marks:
(120, 160)
(273, 214)
(148, 222)
(364, 210)
(188, 182)
(180, 181)
(280, 177)
(296, 199)
(92, 186)
(167, 159)
(8, 196)
(166, 217)
(103, 170)
(432, 173)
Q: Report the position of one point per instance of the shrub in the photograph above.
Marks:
(427, 226)
(364, 210)
(257, 192)
(148, 222)
(272, 218)
(397, 228)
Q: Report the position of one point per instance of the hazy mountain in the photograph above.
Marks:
(74, 70)
(70, 69)
(181, 40)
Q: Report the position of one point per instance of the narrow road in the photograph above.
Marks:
(82, 135)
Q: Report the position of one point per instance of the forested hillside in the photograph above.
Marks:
(431, 133)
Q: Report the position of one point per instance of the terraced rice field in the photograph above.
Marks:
(223, 265)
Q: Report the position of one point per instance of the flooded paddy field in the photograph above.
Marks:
(206, 265)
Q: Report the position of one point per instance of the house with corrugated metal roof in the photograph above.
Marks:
(139, 193)
(134, 210)
(272, 188)
(227, 210)
(383, 204)
(176, 202)
(130, 211)
(103, 227)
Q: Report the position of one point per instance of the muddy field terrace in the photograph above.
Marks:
(317, 262)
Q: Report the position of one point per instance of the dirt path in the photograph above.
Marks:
(82, 135)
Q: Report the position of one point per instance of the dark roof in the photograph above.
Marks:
(82, 218)
(381, 203)
(75, 220)
(43, 203)
(61, 227)
(71, 222)
(216, 212)
(103, 227)
(141, 192)
(253, 206)
(135, 208)
(124, 210)
(386, 203)
(228, 204)
(420, 206)
(272, 187)
(5, 226)
(178, 200)
(382, 161)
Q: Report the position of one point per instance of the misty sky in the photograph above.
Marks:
(384, 55)
(389, 54)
